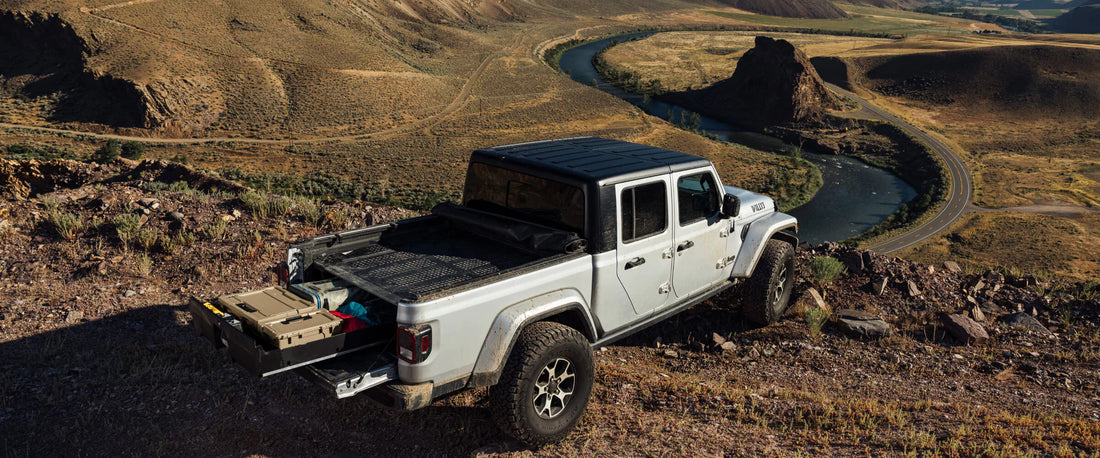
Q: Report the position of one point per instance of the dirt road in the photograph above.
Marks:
(962, 184)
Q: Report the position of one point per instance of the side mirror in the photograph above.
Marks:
(731, 206)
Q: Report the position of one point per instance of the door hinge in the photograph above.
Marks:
(663, 289)
(667, 254)
(724, 233)
(722, 263)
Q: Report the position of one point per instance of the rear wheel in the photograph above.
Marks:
(769, 289)
(545, 385)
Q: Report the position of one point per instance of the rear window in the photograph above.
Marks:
(523, 196)
(644, 211)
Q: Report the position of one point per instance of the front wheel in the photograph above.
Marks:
(769, 288)
(545, 385)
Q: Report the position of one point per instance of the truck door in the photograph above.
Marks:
(644, 254)
(700, 233)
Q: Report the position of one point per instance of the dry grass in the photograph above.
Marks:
(1034, 244)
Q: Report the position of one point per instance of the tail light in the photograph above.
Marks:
(414, 344)
(284, 274)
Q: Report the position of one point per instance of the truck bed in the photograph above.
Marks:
(452, 249)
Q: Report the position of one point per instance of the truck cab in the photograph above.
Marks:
(557, 248)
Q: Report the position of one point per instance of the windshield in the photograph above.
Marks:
(527, 197)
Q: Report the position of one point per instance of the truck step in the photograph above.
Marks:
(353, 373)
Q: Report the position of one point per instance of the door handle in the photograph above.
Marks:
(634, 263)
(685, 245)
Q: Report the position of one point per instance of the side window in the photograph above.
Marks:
(644, 210)
(697, 197)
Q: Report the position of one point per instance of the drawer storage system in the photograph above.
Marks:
(301, 329)
(267, 305)
(276, 329)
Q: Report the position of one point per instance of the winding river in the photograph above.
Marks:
(853, 198)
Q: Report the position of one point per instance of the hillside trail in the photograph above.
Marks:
(1041, 207)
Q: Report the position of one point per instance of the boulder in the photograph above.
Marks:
(853, 261)
(862, 324)
(1023, 319)
(964, 329)
(952, 267)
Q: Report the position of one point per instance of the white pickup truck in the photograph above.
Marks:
(559, 247)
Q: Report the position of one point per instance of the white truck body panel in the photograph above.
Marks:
(461, 322)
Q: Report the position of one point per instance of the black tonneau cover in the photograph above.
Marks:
(461, 246)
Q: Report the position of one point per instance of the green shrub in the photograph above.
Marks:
(826, 270)
(815, 319)
(262, 205)
(280, 206)
(147, 238)
(179, 186)
(144, 265)
(256, 203)
(216, 230)
(154, 186)
(127, 227)
(133, 150)
(108, 152)
(308, 210)
(66, 225)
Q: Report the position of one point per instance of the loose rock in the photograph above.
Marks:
(717, 339)
(952, 267)
(1024, 320)
(149, 202)
(879, 286)
(853, 261)
(818, 300)
(862, 324)
(976, 313)
(914, 291)
(964, 329)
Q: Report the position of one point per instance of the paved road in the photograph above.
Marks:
(961, 183)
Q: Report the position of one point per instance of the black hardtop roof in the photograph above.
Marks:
(591, 159)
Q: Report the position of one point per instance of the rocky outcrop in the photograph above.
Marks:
(774, 84)
(41, 54)
(22, 179)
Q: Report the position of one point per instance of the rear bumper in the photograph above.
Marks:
(403, 397)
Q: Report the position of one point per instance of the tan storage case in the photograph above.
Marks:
(298, 330)
(257, 308)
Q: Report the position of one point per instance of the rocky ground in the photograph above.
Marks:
(97, 261)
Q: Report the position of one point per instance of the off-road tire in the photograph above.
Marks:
(769, 289)
(511, 400)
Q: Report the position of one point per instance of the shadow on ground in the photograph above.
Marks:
(143, 383)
